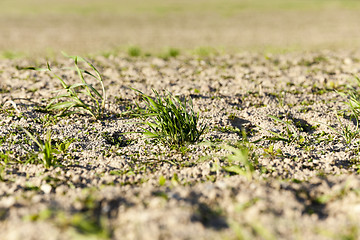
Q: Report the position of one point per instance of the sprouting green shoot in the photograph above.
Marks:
(134, 51)
(239, 161)
(346, 132)
(79, 97)
(46, 148)
(63, 147)
(290, 136)
(242, 158)
(170, 120)
(353, 97)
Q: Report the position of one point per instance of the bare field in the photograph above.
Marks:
(111, 185)
(273, 81)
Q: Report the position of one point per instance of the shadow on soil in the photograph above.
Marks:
(311, 204)
(209, 216)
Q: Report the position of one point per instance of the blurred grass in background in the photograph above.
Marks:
(125, 7)
(45, 27)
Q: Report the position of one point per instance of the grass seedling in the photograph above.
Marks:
(4, 160)
(134, 51)
(170, 53)
(272, 153)
(353, 97)
(204, 51)
(290, 136)
(2, 172)
(240, 158)
(74, 101)
(46, 148)
(173, 52)
(63, 147)
(170, 120)
(239, 161)
(346, 132)
(5, 157)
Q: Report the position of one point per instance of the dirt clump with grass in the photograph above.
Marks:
(272, 154)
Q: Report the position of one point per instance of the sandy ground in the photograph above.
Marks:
(113, 185)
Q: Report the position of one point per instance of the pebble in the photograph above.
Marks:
(46, 188)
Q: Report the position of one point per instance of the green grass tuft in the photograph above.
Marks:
(46, 149)
(134, 51)
(170, 120)
(353, 101)
(173, 52)
(79, 97)
(353, 97)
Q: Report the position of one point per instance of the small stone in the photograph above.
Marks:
(46, 188)
(347, 61)
(7, 202)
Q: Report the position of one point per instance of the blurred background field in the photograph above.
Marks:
(47, 27)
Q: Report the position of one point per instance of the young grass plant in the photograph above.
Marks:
(169, 119)
(134, 51)
(239, 161)
(346, 131)
(353, 97)
(241, 157)
(4, 159)
(290, 136)
(2, 172)
(47, 151)
(79, 97)
(170, 53)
